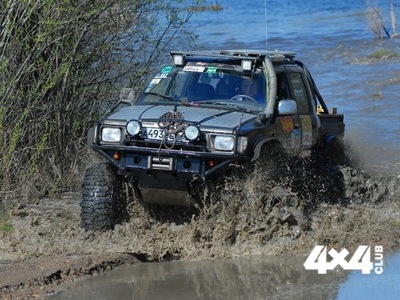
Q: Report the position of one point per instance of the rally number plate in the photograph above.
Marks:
(153, 133)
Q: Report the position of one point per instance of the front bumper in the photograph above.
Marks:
(166, 176)
(186, 165)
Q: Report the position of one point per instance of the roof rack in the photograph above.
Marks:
(235, 54)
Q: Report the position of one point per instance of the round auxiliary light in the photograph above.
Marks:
(133, 127)
(192, 132)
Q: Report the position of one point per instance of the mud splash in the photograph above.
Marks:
(251, 216)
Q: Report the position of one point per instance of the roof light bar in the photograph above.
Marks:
(178, 60)
(247, 65)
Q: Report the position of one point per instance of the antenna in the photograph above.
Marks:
(266, 24)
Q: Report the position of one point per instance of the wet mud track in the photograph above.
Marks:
(47, 248)
(37, 277)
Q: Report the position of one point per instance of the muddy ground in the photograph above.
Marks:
(46, 248)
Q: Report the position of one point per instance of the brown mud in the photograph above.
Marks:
(46, 247)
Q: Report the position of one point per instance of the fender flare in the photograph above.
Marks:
(260, 143)
(91, 136)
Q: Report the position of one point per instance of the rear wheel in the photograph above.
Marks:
(103, 204)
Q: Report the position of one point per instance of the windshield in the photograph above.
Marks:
(208, 84)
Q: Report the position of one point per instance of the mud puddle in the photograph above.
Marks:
(247, 277)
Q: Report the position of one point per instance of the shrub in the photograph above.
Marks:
(62, 63)
(376, 21)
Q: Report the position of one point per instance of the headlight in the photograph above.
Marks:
(133, 128)
(111, 134)
(224, 143)
(192, 132)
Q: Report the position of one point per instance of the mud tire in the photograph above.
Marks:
(103, 204)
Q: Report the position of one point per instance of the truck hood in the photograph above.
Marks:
(203, 116)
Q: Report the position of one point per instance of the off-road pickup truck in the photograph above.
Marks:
(203, 112)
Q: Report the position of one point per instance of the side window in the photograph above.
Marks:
(300, 92)
(283, 91)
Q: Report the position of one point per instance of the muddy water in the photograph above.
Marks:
(254, 277)
(253, 221)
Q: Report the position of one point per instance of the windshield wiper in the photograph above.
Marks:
(219, 102)
(162, 96)
(237, 105)
(183, 102)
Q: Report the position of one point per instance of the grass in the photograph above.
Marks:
(383, 54)
(5, 225)
(396, 224)
(380, 54)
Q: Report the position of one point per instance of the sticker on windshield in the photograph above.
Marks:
(166, 70)
(194, 69)
(155, 81)
(152, 84)
(160, 76)
(211, 70)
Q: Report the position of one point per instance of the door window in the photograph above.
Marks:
(300, 93)
(283, 91)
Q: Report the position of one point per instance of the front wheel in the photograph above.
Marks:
(271, 161)
(102, 204)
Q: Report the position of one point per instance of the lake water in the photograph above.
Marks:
(281, 24)
(332, 38)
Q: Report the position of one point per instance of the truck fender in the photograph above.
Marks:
(259, 144)
(92, 136)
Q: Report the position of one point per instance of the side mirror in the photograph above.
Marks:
(287, 107)
(127, 95)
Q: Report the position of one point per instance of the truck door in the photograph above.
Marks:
(309, 121)
(288, 127)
